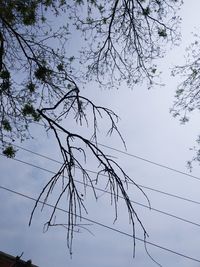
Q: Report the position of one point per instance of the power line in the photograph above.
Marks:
(169, 194)
(104, 191)
(151, 162)
(141, 158)
(103, 225)
(142, 186)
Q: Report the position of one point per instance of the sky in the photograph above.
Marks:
(150, 133)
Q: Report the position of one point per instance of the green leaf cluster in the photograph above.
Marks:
(31, 87)
(4, 74)
(42, 73)
(6, 125)
(162, 33)
(18, 10)
(9, 151)
(29, 110)
(5, 80)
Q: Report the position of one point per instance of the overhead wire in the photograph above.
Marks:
(151, 162)
(141, 158)
(104, 191)
(103, 225)
(94, 172)
(116, 230)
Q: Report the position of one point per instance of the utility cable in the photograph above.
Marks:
(141, 158)
(104, 191)
(103, 225)
(142, 186)
(151, 162)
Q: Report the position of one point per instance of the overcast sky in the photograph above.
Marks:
(151, 133)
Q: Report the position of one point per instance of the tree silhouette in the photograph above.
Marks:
(40, 81)
(187, 94)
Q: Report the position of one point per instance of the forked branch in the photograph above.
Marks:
(72, 167)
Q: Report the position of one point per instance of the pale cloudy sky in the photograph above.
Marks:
(150, 132)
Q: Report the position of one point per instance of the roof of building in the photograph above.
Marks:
(7, 260)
